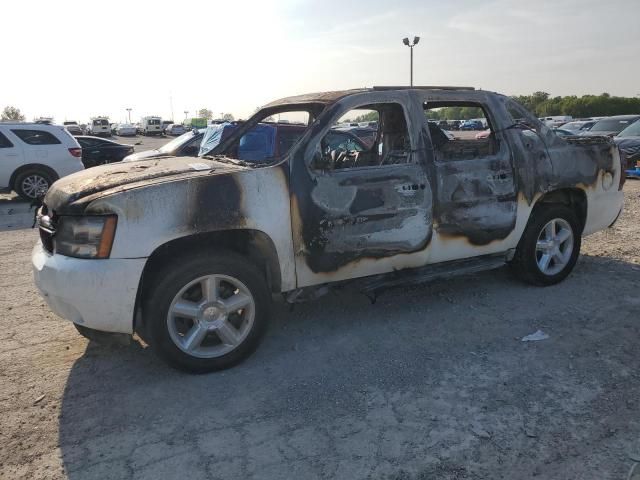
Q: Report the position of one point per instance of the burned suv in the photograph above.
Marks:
(189, 252)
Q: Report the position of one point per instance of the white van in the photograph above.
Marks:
(151, 125)
(34, 155)
(99, 126)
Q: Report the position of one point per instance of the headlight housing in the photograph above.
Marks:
(85, 237)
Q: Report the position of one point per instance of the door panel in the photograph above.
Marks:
(476, 200)
(363, 220)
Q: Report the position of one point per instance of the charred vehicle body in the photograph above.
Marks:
(188, 252)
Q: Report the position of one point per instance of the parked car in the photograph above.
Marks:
(366, 134)
(628, 141)
(33, 156)
(472, 125)
(578, 126)
(99, 126)
(556, 120)
(612, 126)
(165, 124)
(175, 129)
(564, 133)
(186, 145)
(125, 129)
(72, 127)
(188, 253)
(99, 151)
(114, 127)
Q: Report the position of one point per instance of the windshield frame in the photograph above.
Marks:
(228, 145)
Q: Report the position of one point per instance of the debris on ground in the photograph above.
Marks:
(536, 336)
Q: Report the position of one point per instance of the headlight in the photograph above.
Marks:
(85, 237)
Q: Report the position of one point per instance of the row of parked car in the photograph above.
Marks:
(100, 126)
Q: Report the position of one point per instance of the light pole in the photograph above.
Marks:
(186, 112)
(411, 45)
(129, 112)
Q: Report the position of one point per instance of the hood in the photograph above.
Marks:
(142, 155)
(123, 176)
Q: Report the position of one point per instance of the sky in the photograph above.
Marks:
(76, 59)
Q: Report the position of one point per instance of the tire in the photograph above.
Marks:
(33, 183)
(536, 242)
(209, 336)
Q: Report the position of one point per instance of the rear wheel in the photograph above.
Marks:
(549, 247)
(32, 184)
(207, 313)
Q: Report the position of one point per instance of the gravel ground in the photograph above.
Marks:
(430, 382)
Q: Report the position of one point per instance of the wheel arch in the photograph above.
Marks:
(573, 197)
(254, 244)
(31, 166)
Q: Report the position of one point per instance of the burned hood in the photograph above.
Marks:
(124, 176)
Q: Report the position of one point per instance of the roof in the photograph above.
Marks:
(334, 96)
(319, 97)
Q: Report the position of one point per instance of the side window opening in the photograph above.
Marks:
(36, 137)
(460, 130)
(367, 136)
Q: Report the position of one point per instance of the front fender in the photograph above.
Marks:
(156, 214)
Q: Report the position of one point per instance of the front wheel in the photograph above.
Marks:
(549, 247)
(207, 313)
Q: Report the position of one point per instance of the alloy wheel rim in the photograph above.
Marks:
(554, 246)
(211, 316)
(34, 186)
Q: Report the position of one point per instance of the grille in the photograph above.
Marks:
(46, 227)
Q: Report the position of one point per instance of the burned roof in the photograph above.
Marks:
(319, 97)
(333, 96)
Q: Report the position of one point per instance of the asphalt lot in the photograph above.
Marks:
(432, 381)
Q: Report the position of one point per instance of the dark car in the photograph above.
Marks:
(98, 151)
(628, 142)
(611, 126)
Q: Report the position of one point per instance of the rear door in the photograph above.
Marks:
(475, 198)
(11, 156)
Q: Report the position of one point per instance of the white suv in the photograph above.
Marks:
(33, 156)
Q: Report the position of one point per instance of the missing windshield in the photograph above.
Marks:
(265, 138)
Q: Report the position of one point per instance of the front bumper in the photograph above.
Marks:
(98, 294)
